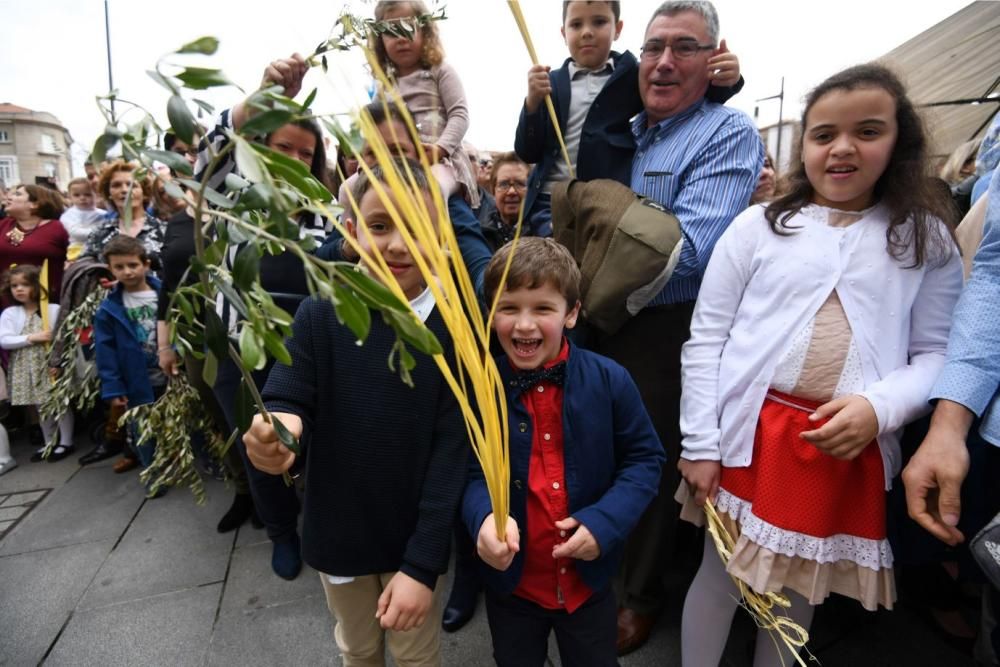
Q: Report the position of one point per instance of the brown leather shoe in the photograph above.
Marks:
(633, 629)
(124, 464)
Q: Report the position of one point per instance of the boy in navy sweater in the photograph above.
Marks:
(584, 463)
(384, 461)
(595, 94)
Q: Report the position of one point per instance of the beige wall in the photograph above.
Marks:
(34, 145)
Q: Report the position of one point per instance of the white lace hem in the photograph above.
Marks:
(873, 554)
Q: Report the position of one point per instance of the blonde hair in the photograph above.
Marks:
(951, 172)
(432, 52)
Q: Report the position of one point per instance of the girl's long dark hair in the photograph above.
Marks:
(318, 166)
(905, 187)
(32, 274)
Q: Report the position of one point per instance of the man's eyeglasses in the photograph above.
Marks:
(504, 186)
(681, 48)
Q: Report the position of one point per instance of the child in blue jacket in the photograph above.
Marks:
(125, 333)
(584, 463)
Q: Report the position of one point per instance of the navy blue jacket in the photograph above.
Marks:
(612, 461)
(121, 362)
(606, 142)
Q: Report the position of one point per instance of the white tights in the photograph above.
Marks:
(65, 429)
(709, 607)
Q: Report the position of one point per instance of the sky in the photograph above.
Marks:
(53, 55)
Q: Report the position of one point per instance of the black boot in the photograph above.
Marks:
(465, 591)
(238, 512)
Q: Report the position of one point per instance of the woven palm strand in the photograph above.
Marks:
(760, 606)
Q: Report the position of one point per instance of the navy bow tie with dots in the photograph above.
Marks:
(525, 380)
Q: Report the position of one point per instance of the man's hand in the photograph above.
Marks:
(119, 402)
(853, 425)
(933, 477)
(580, 545)
(702, 478)
(403, 604)
(539, 86)
(287, 73)
(264, 448)
(498, 555)
(724, 67)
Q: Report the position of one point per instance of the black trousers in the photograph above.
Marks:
(276, 503)
(520, 631)
(649, 347)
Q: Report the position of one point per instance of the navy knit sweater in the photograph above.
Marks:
(385, 463)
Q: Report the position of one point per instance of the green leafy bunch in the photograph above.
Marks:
(170, 422)
(254, 212)
(71, 390)
(349, 27)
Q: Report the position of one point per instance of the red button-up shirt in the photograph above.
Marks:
(546, 581)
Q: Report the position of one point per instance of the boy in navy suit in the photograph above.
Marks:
(585, 461)
(595, 94)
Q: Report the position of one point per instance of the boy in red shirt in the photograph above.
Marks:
(585, 461)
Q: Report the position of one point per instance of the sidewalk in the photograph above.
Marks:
(92, 573)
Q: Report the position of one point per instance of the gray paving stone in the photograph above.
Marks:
(248, 536)
(24, 498)
(471, 645)
(13, 513)
(92, 506)
(171, 629)
(171, 545)
(253, 585)
(3, 499)
(4, 525)
(38, 592)
(28, 476)
(299, 632)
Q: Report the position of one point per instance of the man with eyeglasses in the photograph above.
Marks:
(700, 160)
(509, 185)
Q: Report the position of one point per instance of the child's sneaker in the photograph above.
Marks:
(7, 466)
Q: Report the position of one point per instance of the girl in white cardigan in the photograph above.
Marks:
(821, 324)
(22, 332)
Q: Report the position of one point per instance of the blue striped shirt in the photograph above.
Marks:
(703, 165)
(971, 374)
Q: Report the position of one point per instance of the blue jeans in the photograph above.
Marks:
(146, 450)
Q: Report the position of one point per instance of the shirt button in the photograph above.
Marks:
(522, 427)
(562, 570)
(547, 436)
(555, 485)
(540, 389)
(562, 533)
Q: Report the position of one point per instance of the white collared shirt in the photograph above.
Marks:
(585, 85)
